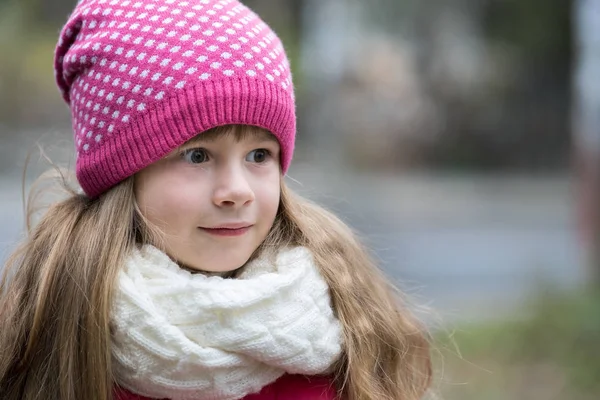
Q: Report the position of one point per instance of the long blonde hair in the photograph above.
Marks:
(57, 289)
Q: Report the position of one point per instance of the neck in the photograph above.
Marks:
(222, 274)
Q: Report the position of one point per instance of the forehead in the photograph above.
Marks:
(239, 133)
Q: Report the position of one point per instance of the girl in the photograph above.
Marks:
(186, 269)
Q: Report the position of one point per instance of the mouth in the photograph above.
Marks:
(227, 229)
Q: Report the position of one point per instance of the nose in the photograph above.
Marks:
(232, 188)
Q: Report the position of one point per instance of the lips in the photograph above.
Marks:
(229, 229)
(232, 225)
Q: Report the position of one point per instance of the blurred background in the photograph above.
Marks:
(460, 138)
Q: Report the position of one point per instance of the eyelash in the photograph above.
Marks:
(184, 153)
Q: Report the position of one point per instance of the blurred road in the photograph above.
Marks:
(469, 246)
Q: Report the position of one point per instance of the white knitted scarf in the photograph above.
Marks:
(179, 335)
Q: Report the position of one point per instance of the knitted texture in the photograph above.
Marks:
(181, 336)
(142, 77)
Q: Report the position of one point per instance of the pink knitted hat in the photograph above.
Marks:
(143, 76)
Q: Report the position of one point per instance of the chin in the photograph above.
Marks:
(230, 267)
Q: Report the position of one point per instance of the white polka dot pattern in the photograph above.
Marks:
(117, 59)
(150, 32)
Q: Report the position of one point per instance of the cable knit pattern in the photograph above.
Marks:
(142, 77)
(188, 336)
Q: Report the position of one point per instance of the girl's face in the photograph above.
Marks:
(215, 198)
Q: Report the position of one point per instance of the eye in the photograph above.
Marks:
(195, 156)
(258, 156)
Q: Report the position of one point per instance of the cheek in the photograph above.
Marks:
(164, 200)
(269, 195)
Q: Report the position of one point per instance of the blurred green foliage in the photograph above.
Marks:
(552, 352)
(26, 75)
(538, 29)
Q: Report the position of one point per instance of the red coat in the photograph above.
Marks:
(288, 387)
